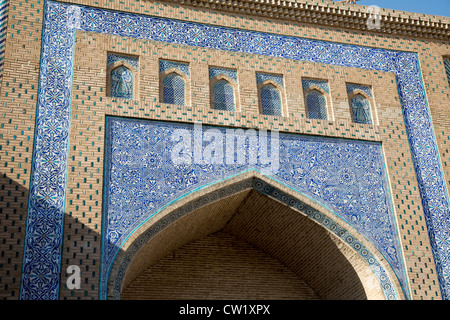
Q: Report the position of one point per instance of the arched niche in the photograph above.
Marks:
(326, 253)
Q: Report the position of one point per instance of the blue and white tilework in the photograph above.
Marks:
(43, 241)
(122, 83)
(360, 105)
(322, 84)
(346, 176)
(351, 87)
(447, 68)
(166, 65)
(121, 78)
(114, 57)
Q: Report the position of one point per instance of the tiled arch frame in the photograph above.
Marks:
(42, 255)
(281, 93)
(252, 179)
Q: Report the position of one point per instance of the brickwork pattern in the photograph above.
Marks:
(296, 241)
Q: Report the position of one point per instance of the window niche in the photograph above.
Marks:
(122, 74)
(447, 68)
(224, 93)
(361, 103)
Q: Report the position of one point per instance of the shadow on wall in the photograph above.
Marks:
(81, 247)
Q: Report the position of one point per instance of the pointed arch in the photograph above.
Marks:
(174, 87)
(224, 93)
(271, 98)
(377, 277)
(361, 108)
(316, 103)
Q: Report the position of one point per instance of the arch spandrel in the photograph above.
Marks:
(322, 169)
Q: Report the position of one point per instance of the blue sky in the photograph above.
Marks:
(434, 7)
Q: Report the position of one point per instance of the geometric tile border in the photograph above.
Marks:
(43, 239)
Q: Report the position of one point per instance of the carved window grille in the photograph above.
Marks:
(316, 105)
(447, 68)
(360, 109)
(122, 73)
(122, 83)
(316, 98)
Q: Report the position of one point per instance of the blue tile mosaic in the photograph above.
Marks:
(351, 87)
(322, 84)
(43, 240)
(360, 108)
(166, 65)
(261, 77)
(122, 83)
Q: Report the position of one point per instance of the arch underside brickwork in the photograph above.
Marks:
(287, 225)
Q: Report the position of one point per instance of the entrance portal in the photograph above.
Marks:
(247, 246)
(218, 266)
